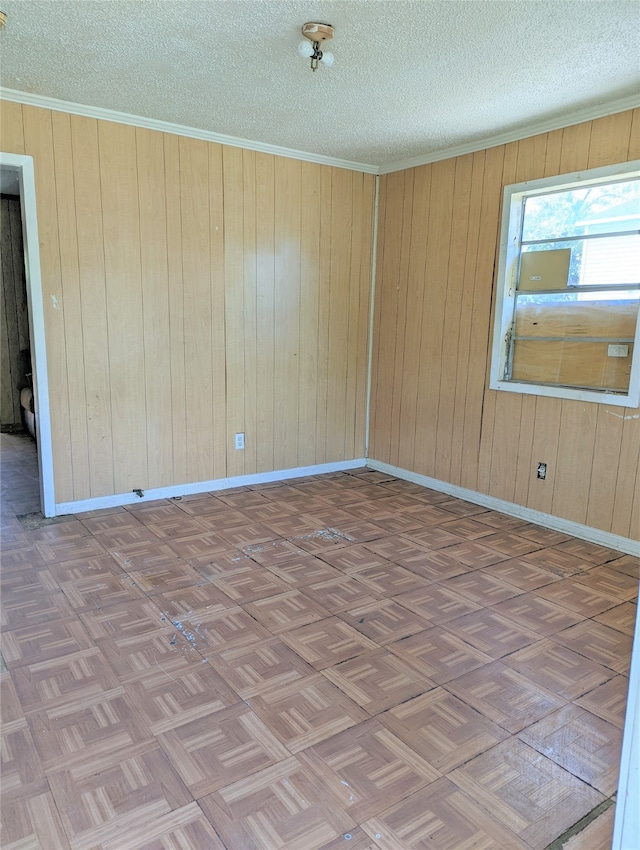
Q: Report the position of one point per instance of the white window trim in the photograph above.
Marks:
(507, 279)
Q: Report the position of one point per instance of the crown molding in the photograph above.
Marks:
(558, 123)
(177, 129)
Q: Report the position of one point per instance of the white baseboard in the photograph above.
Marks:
(120, 499)
(575, 529)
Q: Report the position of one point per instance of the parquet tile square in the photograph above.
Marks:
(339, 594)
(320, 541)
(588, 551)
(461, 508)
(122, 537)
(440, 816)
(101, 591)
(75, 733)
(69, 530)
(260, 667)
(21, 559)
(33, 609)
(442, 729)
(138, 655)
(44, 642)
(169, 699)
(211, 631)
(70, 679)
(599, 643)
(397, 523)
(123, 619)
(627, 564)
(273, 552)
(111, 522)
(377, 680)
(439, 655)
(351, 559)
(267, 511)
(510, 543)
(505, 696)
(286, 611)
(476, 555)
(481, 588)
(245, 535)
(278, 807)
(176, 527)
(521, 574)
(622, 617)
(436, 603)
(250, 585)
(27, 582)
(537, 614)
(528, 793)
(467, 528)
(303, 571)
(563, 564)
(214, 751)
(242, 499)
(501, 522)
(437, 565)
(296, 525)
(69, 549)
(32, 822)
(70, 572)
(10, 707)
(150, 514)
(306, 712)
(183, 602)
(384, 621)
(185, 828)
(101, 803)
(199, 545)
(155, 579)
(220, 520)
(327, 642)
(608, 581)
(545, 536)
(558, 669)
(432, 537)
(21, 772)
(367, 768)
(358, 530)
(491, 632)
(430, 514)
(585, 745)
(222, 565)
(570, 593)
(608, 701)
(389, 581)
(138, 556)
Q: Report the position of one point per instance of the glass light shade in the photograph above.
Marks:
(305, 49)
(327, 59)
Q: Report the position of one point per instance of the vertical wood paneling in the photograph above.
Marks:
(364, 211)
(121, 225)
(155, 304)
(38, 138)
(265, 219)
(288, 199)
(451, 325)
(250, 305)
(436, 269)
(196, 266)
(310, 247)
(323, 314)
(341, 186)
(12, 127)
(217, 276)
(485, 440)
(14, 318)
(177, 376)
(70, 279)
(93, 298)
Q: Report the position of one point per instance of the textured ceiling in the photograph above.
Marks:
(411, 77)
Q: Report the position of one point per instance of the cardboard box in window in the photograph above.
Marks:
(541, 270)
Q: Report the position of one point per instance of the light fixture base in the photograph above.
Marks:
(317, 32)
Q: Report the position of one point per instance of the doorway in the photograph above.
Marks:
(18, 183)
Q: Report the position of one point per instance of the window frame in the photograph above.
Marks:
(506, 280)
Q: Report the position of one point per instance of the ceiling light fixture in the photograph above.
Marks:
(317, 34)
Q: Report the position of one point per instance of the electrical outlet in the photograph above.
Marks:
(239, 441)
(542, 470)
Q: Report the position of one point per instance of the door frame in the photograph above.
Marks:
(23, 165)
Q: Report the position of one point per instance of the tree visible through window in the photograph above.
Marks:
(569, 279)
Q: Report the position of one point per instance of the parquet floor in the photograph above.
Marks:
(347, 661)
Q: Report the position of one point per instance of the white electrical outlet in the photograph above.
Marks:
(239, 441)
(618, 351)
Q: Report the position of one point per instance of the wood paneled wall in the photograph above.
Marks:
(193, 291)
(432, 411)
(14, 315)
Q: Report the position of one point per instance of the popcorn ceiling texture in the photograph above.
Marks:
(411, 76)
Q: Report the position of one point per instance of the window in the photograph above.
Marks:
(569, 287)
